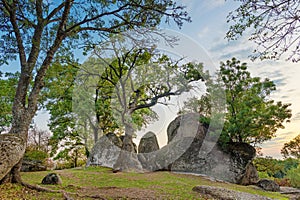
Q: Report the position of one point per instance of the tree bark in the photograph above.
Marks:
(128, 160)
(12, 149)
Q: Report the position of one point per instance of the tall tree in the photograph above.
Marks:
(292, 148)
(133, 80)
(38, 31)
(252, 117)
(274, 27)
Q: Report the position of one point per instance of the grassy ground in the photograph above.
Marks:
(101, 183)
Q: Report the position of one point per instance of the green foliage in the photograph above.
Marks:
(252, 117)
(294, 176)
(35, 154)
(131, 81)
(292, 148)
(58, 101)
(272, 168)
(8, 85)
(70, 157)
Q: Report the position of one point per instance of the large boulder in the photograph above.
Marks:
(106, 151)
(148, 143)
(268, 185)
(193, 148)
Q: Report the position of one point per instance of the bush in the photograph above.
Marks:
(36, 155)
(294, 176)
(265, 175)
(285, 182)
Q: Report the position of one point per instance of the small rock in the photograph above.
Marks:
(268, 185)
(52, 179)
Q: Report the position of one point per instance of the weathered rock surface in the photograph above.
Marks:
(52, 179)
(181, 133)
(32, 166)
(106, 151)
(293, 193)
(148, 143)
(251, 175)
(227, 194)
(204, 156)
(192, 147)
(268, 185)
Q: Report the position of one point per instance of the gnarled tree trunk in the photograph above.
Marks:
(128, 160)
(12, 149)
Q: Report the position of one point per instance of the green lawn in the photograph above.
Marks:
(98, 182)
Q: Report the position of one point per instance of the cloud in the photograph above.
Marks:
(280, 82)
(296, 117)
(203, 33)
(212, 4)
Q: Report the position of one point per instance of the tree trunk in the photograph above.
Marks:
(12, 149)
(128, 160)
(13, 144)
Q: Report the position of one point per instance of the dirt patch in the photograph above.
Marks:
(119, 193)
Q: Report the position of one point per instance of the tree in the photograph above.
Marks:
(8, 85)
(37, 32)
(57, 99)
(275, 27)
(292, 148)
(252, 117)
(133, 80)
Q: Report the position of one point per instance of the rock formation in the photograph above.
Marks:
(148, 143)
(106, 151)
(191, 147)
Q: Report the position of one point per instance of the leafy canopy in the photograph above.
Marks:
(252, 117)
(292, 148)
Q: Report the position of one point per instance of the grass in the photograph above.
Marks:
(93, 182)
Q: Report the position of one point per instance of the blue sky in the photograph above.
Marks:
(208, 29)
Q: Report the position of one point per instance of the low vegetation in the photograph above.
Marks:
(101, 183)
(285, 172)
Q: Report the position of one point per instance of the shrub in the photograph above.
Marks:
(36, 155)
(265, 175)
(294, 176)
(285, 182)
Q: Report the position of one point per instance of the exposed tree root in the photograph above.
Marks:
(64, 193)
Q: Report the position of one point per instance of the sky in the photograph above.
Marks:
(204, 40)
(208, 28)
